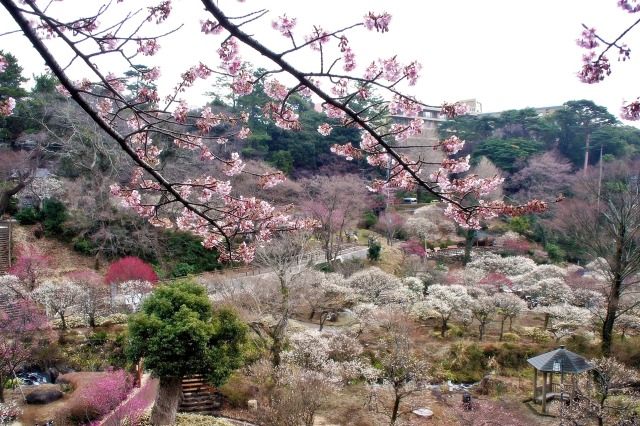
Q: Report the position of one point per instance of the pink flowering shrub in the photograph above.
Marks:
(100, 396)
(130, 269)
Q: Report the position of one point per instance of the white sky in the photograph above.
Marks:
(508, 54)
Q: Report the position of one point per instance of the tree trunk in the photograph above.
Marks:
(64, 322)
(167, 400)
(394, 413)
(547, 317)
(444, 327)
(92, 321)
(481, 331)
(610, 318)
(502, 328)
(278, 340)
(586, 153)
(323, 319)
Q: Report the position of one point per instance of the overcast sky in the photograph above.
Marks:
(508, 54)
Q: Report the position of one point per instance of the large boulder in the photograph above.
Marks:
(43, 396)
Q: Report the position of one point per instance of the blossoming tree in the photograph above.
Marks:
(95, 44)
(596, 65)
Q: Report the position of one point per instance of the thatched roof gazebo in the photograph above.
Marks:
(558, 361)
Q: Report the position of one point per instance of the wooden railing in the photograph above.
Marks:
(555, 388)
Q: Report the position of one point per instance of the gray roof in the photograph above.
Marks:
(571, 363)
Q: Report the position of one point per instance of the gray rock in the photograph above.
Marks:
(42, 397)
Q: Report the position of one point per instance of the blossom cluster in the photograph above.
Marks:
(6, 106)
(630, 6)
(284, 24)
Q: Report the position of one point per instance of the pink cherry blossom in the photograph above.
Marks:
(108, 43)
(458, 165)
(115, 83)
(402, 105)
(285, 119)
(88, 25)
(453, 110)
(105, 107)
(364, 92)
(368, 143)
(181, 111)
(272, 180)
(333, 112)
(160, 12)
(402, 133)
(325, 129)
(63, 90)
(631, 111)
(452, 145)
(276, 90)
(594, 70)
(317, 38)
(627, 6)
(211, 27)
(229, 53)
(372, 72)
(147, 95)
(340, 87)
(3, 63)
(148, 47)
(7, 107)
(242, 83)
(378, 22)
(236, 165)
(244, 133)
(411, 72)
(349, 59)
(348, 151)
(391, 69)
(195, 72)
(589, 39)
(284, 24)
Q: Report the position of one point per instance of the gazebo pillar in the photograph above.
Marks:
(535, 384)
(544, 391)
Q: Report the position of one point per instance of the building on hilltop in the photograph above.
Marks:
(542, 111)
(421, 146)
(475, 107)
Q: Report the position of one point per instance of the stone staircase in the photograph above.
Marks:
(5, 246)
(198, 397)
(8, 304)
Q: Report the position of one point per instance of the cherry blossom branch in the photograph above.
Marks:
(596, 66)
(209, 209)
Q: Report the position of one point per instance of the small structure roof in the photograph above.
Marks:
(572, 363)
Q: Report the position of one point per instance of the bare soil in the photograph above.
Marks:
(64, 259)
